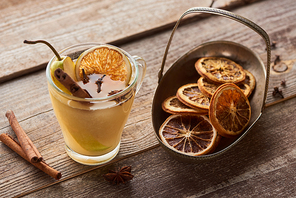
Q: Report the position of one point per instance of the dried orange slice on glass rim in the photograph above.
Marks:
(173, 105)
(230, 110)
(220, 70)
(106, 60)
(190, 135)
(191, 95)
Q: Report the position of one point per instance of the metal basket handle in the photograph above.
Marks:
(230, 15)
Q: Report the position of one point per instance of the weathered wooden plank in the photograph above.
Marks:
(65, 23)
(42, 127)
(44, 131)
(31, 104)
(263, 164)
(48, 139)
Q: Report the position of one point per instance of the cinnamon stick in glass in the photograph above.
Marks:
(15, 146)
(25, 142)
(70, 84)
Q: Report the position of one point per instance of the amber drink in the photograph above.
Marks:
(92, 127)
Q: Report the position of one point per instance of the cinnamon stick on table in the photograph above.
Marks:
(14, 145)
(25, 142)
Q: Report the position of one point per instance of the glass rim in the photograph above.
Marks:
(88, 46)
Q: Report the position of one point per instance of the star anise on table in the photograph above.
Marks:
(120, 176)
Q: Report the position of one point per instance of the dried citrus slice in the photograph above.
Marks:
(208, 88)
(191, 96)
(220, 70)
(250, 81)
(106, 60)
(230, 110)
(173, 105)
(190, 135)
(245, 89)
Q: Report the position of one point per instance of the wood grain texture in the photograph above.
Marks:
(65, 23)
(44, 131)
(262, 165)
(27, 96)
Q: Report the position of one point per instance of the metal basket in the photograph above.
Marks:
(183, 70)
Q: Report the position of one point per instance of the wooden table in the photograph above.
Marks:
(263, 164)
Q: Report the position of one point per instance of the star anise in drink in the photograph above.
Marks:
(120, 176)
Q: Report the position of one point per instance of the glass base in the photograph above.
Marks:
(92, 160)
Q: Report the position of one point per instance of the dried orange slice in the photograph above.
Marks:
(191, 96)
(190, 135)
(250, 81)
(106, 60)
(245, 89)
(208, 88)
(173, 105)
(220, 70)
(230, 110)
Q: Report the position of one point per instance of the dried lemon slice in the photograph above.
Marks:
(190, 135)
(230, 110)
(191, 96)
(220, 70)
(208, 88)
(106, 60)
(173, 105)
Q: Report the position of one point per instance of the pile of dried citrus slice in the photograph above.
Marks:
(222, 93)
(216, 71)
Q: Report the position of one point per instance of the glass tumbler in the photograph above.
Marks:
(92, 127)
